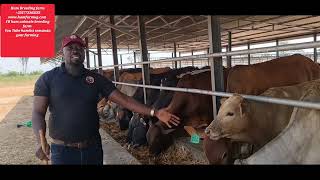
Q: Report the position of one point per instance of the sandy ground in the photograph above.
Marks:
(17, 144)
(9, 97)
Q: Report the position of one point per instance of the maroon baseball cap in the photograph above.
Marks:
(72, 39)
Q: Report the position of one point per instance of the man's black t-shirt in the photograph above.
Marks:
(73, 102)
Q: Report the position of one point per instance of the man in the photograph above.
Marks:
(71, 92)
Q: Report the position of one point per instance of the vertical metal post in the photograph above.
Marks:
(149, 60)
(229, 49)
(99, 50)
(215, 63)
(134, 59)
(180, 61)
(249, 56)
(277, 44)
(192, 59)
(121, 60)
(144, 55)
(87, 52)
(175, 54)
(114, 50)
(172, 61)
(95, 61)
(208, 52)
(315, 53)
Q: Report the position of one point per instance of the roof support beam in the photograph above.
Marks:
(112, 26)
(99, 50)
(114, 50)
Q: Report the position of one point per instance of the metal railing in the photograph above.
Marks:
(288, 102)
(231, 53)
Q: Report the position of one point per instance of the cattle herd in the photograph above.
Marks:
(244, 132)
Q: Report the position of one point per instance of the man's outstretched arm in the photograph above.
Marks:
(133, 105)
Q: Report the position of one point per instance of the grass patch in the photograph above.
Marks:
(17, 79)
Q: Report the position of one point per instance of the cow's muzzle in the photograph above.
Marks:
(214, 131)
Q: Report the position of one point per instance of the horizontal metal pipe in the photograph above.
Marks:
(302, 104)
(231, 53)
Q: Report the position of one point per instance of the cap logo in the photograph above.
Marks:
(90, 79)
(73, 37)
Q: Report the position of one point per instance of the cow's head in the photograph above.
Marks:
(123, 116)
(158, 137)
(137, 131)
(217, 151)
(108, 111)
(232, 120)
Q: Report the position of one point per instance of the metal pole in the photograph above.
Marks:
(249, 56)
(148, 59)
(288, 102)
(208, 52)
(99, 50)
(229, 50)
(215, 63)
(175, 54)
(114, 50)
(233, 53)
(87, 52)
(120, 60)
(180, 61)
(144, 55)
(95, 61)
(315, 53)
(134, 59)
(173, 62)
(277, 44)
(192, 59)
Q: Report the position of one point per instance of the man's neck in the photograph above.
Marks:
(74, 70)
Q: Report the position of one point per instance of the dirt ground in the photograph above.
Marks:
(9, 97)
(17, 144)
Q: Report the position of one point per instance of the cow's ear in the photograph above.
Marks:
(243, 107)
(222, 100)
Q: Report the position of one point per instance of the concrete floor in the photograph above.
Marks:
(114, 153)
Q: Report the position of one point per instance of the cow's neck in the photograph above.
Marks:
(258, 127)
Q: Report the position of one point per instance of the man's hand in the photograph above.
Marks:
(164, 116)
(43, 152)
(43, 156)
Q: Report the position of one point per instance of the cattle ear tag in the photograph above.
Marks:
(195, 138)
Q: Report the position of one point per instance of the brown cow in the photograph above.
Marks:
(108, 73)
(138, 75)
(284, 71)
(193, 109)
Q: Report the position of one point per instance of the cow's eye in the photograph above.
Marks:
(229, 114)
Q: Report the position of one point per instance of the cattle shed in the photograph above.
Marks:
(191, 40)
(186, 34)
